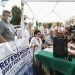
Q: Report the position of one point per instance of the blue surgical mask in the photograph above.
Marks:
(9, 19)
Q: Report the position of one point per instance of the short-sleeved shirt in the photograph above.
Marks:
(38, 43)
(7, 31)
(45, 31)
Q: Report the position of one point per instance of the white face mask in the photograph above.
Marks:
(37, 37)
(9, 19)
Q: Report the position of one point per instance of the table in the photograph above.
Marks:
(58, 64)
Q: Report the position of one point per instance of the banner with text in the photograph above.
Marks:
(15, 58)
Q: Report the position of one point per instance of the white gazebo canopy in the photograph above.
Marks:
(45, 11)
(50, 11)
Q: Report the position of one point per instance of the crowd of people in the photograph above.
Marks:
(43, 37)
(40, 38)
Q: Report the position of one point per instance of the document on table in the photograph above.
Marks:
(49, 49)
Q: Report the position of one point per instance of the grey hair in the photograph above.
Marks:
(5, 11)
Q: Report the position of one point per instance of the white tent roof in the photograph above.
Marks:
(46, 11)
(50, 11)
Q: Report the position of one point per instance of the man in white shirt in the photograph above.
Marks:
(46, 33)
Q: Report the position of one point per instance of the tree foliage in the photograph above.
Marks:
(49, 24)
(16, 15)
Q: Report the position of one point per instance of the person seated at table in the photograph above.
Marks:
(36, 42)
(71, 44)
(71, 47)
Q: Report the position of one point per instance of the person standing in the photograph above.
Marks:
(45, 31)
(36, 42)
(7, 32)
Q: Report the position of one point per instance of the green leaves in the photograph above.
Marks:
(16, 15)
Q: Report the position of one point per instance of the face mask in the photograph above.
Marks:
(9, 19)
(37, 37)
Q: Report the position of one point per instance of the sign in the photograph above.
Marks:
(15, 58)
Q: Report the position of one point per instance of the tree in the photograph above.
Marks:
(49, 24)
(16, 15)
